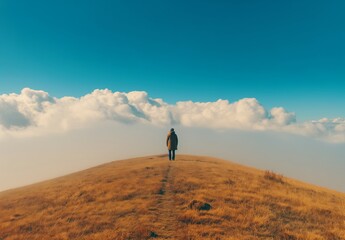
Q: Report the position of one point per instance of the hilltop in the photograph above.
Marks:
(191, 198)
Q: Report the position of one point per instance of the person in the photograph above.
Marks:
(172, 142)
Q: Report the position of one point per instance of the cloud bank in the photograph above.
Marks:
(34, 112)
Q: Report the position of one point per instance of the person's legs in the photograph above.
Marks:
(169, 155)
(173, 154)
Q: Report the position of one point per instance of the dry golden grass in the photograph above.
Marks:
(151, 198)
(270, 175)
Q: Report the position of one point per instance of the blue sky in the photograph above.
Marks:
(289, 54)
(283, 53)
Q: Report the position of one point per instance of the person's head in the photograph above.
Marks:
(172, 130)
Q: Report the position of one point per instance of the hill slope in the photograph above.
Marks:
(151, 197)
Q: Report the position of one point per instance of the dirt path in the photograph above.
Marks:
(166, 207)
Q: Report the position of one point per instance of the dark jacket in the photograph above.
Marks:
(172, 141)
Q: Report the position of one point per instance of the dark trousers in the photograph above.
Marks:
(171, 154)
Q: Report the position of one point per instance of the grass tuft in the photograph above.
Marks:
(272, 176)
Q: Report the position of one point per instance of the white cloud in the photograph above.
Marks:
(35, 112)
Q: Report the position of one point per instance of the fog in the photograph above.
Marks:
(30, 159)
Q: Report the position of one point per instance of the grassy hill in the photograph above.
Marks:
(190, 198)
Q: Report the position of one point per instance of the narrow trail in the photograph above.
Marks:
(166, 215)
